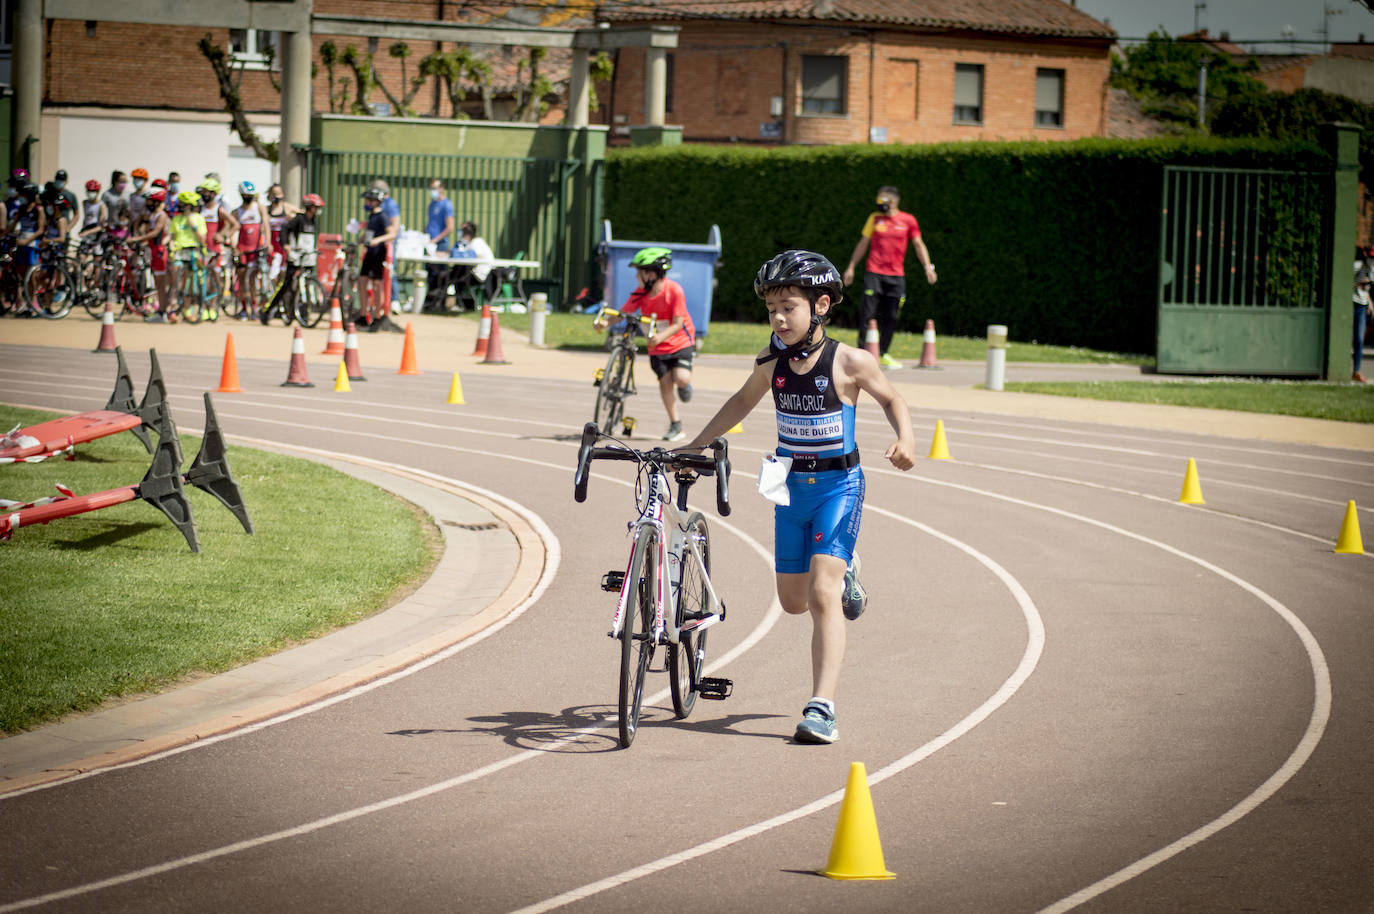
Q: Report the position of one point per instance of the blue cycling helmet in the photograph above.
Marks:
(247, 189)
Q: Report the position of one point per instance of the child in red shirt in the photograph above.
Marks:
(674, 341)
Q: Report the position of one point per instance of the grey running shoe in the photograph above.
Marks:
(817, 725)
(854, 599)
(685, 394)
(674, 432)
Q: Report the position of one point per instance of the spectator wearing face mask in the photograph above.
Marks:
(59, 181)
(116, 207)
(138, 200)
(93, 216)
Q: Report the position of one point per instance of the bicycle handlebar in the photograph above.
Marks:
(717, 464)
(637, 322)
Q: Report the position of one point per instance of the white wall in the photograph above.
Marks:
(90, 143)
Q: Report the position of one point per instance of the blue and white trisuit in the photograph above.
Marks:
(826, 484)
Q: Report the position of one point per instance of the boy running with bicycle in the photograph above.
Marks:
(815, 381)
(674, 341)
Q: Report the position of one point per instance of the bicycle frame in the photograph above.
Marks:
(659, 515)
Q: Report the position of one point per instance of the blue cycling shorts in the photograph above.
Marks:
(823, 518)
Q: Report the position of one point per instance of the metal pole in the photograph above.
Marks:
(1202, 97)
(997, 356)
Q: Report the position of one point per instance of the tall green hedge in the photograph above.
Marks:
(1059, 241)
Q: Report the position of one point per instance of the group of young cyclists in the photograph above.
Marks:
(177, 228)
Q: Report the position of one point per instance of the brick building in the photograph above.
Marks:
(855, 71)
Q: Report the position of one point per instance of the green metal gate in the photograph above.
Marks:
(1242, 287)
(520, 205)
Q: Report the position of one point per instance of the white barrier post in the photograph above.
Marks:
(997, 356)
(538, 301)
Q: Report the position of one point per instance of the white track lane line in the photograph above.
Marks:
(759, 631)
(1035, 645)
(1321, 710)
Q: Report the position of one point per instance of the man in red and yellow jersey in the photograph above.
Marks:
(884, 238)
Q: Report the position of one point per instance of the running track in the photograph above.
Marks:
(1069, 691)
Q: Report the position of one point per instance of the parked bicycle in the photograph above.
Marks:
(48, 288)
(304, 301)
(193, 297)
(665, 594)
(11, 277)
(616, 380)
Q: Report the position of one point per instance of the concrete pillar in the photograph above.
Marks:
(296, 96)
(656, 86)
(579, 89)
(1342, 141)
(27, 77)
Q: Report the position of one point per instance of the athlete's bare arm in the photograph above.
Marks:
(861, 369)
(737, 407)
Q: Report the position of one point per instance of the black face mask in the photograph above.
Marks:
(884, 207)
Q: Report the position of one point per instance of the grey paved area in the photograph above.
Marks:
(480, 576)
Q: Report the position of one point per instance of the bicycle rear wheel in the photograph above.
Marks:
(636, 639)
(311, 305)
(49, 291)
(693, 602)
(610, 394)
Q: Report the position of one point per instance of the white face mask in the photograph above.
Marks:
(433, 194)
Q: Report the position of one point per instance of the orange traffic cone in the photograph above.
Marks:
(871, 339)
(229, 372)
(296, 375)
(928, 345)
(107, 340)
(350, 359)
(408, 365)
(334, 343)
(494, 354)
(483, 331)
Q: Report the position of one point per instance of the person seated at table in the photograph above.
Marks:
(439, 228)
(470, 278)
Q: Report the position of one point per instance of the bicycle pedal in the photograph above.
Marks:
(714, 688)
(596, 380)
(612, 581)
(628, 428)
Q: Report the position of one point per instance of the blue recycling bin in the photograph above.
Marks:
(694, 268)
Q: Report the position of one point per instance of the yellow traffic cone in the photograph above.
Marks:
(736, 429)
(455, 392)
(939, 448)
(341, 381)
(1350, 542)
(856, 852)
(1192, 491)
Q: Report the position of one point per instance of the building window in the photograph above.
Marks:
(254, 48)
(968, 93)
(1049, 98)
(825, 84)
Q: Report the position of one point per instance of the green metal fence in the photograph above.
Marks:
(1242, 285)
(520, 205)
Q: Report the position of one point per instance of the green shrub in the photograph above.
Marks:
(1057, 240)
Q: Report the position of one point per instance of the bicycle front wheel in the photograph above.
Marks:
(610, 394)
(636, 639)
(693, 602)
(311, 305)
(49, 291)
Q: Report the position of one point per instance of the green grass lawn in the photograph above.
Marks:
(113, 603)
(1313, 399)
(574, 331)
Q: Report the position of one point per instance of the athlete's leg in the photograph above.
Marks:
(868, 305)
(824, 586)
(667, 388)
